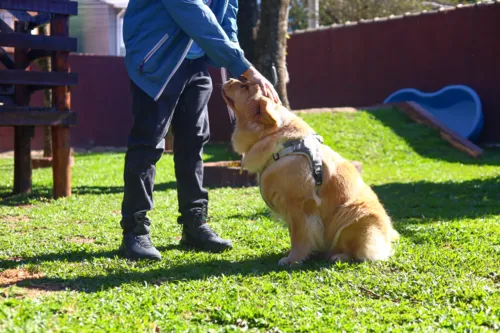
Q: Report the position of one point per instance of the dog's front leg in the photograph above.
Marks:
(299, 238)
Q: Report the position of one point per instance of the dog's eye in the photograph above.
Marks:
(244, 86)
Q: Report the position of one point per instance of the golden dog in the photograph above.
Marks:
(340, 217)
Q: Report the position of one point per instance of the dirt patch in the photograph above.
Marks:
(12, 222)
(13, 276)
(82, 240)
(13, 219)
(34, 288)
(21, 206)
(15, 259)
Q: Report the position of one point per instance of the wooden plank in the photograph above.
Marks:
(61, 100)
(4, 27)
(19, 116)
(32, 21)
(42, 79)
(45, 65)
(5, 59)
(22, 159)
(64, 7)
(22, 135)
(420, 115)
(21, 16)
(48, 43)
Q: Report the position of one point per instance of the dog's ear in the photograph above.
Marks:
(268, 114)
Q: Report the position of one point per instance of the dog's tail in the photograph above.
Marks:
(394, 235)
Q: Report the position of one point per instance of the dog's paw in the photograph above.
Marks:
(341, 257)
(287, 261)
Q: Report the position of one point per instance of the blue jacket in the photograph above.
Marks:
(159, 33)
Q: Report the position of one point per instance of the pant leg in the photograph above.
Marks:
(146, 145)
(191, 131)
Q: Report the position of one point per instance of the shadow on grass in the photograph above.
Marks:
(423, 200)
(413, 203)
(250, 215)
(212, 151)
(41, 193)
(427, 142)
(219, 152)
(72, 256)
(45, 193)
(257, 266)
(446, 201)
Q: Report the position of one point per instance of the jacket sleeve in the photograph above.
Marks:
(198, 21)
(229, 22)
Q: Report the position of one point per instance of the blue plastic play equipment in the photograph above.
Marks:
(456, 106)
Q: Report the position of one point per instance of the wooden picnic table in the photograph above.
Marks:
(18, 81)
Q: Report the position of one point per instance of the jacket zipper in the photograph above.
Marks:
(152, 52)
(175, 69)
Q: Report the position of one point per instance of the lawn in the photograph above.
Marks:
(444, 276)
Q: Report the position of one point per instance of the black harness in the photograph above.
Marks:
(309, 147)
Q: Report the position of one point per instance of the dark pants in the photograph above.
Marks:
(184, 105)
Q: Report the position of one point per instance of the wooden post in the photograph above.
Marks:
(61, 100)
(46, 66)
(22, 134)
(169, 141)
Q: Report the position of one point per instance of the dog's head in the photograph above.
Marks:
(256, 115)
(252, 109)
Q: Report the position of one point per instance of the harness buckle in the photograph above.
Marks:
(318, 175)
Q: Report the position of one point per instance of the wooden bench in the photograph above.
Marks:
(18, 81)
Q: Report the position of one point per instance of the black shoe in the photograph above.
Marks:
(136, 243)
(204, 238)
(135, 247)
(196, 233)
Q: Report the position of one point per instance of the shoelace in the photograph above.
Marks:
(208, 231)
(144, 240)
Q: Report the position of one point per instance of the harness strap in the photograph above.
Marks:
(308, 147)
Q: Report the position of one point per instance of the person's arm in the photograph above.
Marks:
(198, 21)
(229, 22)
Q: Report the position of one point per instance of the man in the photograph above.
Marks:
(169, 44)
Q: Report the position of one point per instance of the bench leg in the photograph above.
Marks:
(61, 162)
(61, 100)
(22, 158)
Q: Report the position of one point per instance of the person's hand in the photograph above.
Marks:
(254, 76)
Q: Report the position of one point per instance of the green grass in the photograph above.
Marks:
(445, 275)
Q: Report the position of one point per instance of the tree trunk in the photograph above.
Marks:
(248, 16)
(45, 66)
(270, 49)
